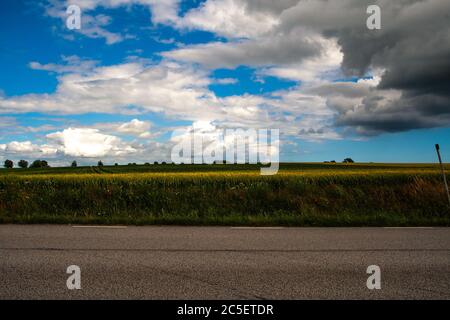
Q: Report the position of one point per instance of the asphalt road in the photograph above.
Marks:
(223, 262)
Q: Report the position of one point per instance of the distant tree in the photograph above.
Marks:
(23, 164)
(100, 164)
(74, 164)
(116, 164)
(163, 162)
(39, 164)
(156, 162)
(348, 160)
(8, 164)
(333, 161)
(35, 164)
(147, 164)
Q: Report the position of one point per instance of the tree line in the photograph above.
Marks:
(44, 164)
(24, 164)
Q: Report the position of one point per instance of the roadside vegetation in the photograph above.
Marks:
(301, 194)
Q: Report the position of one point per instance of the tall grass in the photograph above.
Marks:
(322, 196)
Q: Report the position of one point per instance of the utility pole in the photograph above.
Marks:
(443, 172)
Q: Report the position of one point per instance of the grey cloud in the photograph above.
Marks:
(347, 89)
(376, 115)
(274, 7)
(413, 47)
(266, 52)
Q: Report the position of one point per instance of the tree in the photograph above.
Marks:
(348, 160)
(23, 164)
(74, 164)
(156, 162)
(35, 164)
(100, 164)
(8, 164)
(39, 164)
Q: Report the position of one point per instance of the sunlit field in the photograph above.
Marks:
(301, 194)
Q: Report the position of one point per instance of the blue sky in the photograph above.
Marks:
(137, 70)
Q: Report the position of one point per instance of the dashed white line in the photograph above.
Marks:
(258, 228)
(103, 227)
(408, 227)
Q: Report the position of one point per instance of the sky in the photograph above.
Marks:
(138, 70)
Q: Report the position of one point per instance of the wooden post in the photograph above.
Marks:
(443, 172)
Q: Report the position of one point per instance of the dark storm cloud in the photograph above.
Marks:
(413, 49)
(377, 114)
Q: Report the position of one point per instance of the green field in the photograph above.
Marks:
(301, 194)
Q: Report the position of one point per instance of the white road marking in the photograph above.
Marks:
(258, 228)
(104, 227)
(408, 227)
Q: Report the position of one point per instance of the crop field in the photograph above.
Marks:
(301, 194)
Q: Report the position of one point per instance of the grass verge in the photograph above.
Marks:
(240, 198)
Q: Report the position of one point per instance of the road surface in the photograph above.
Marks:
(223, 262)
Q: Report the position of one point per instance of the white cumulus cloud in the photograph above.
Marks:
(85, 142)
(136, 127)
